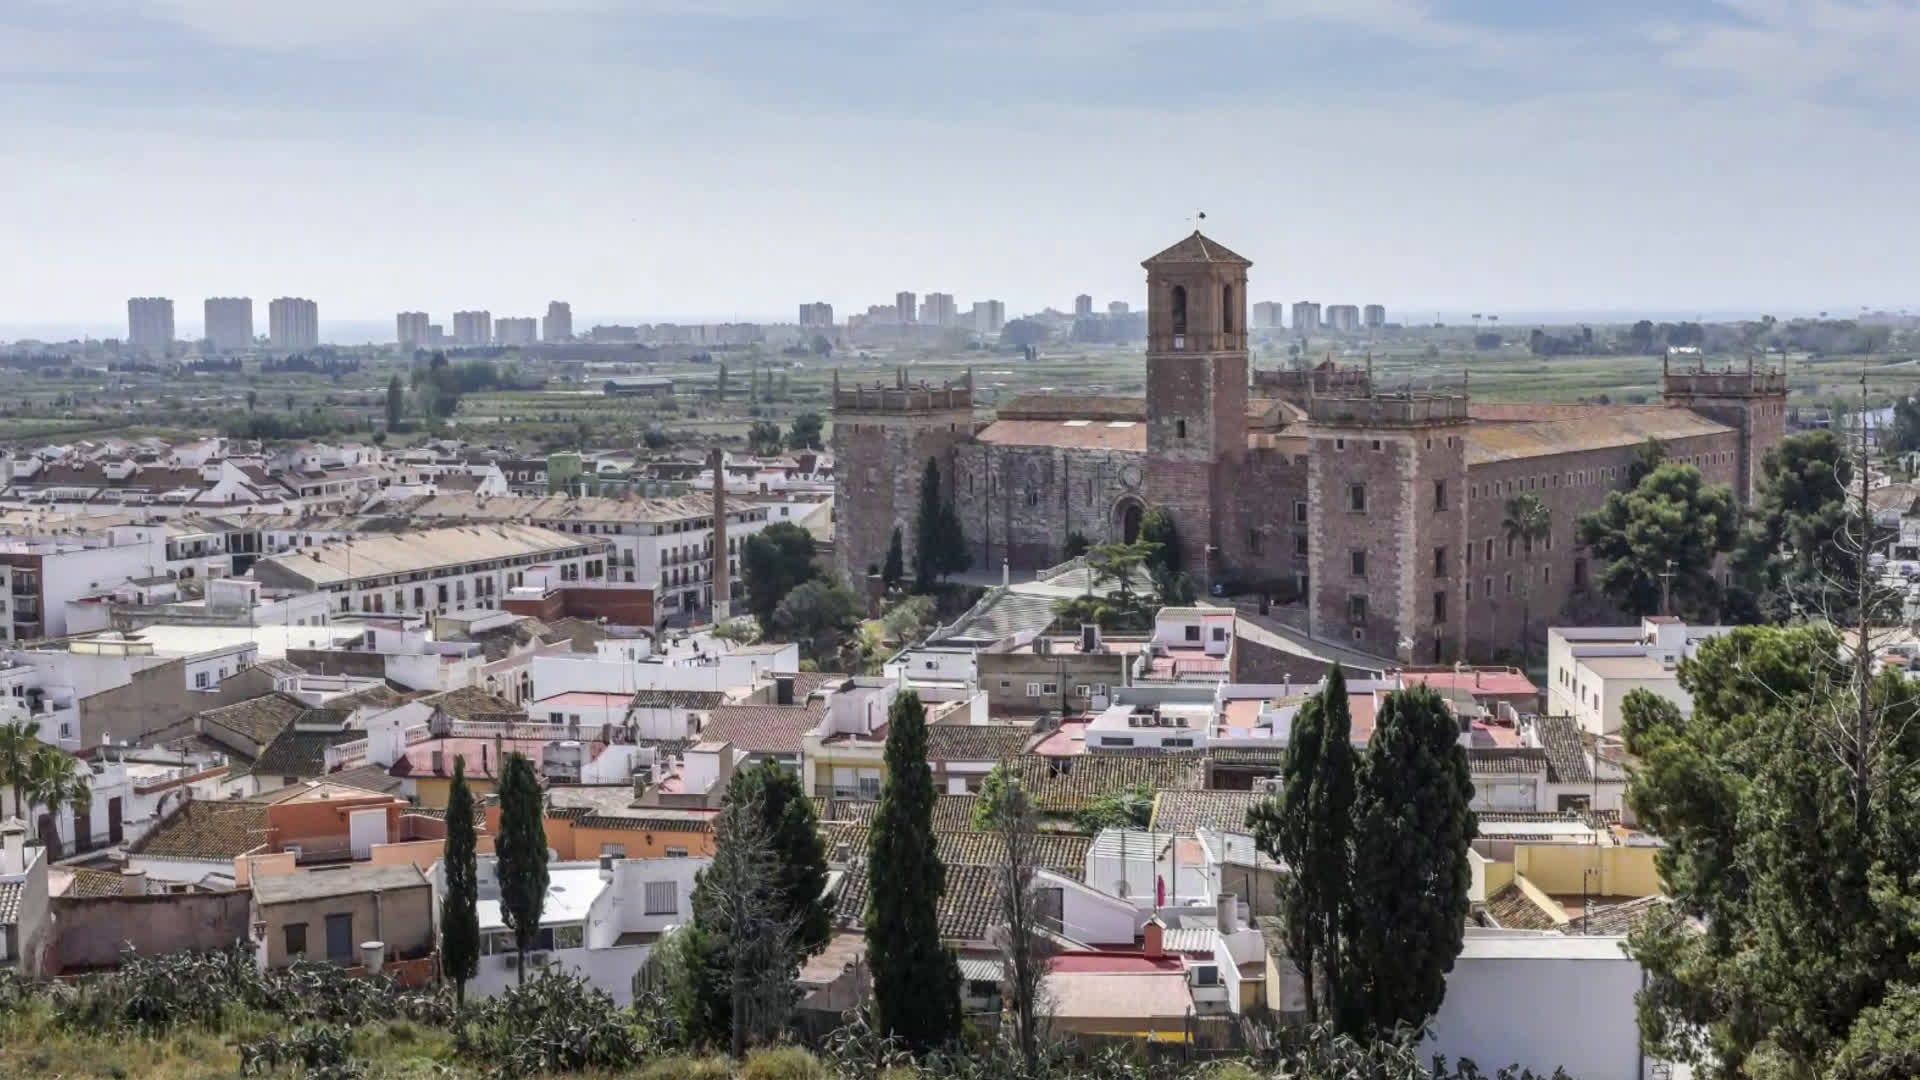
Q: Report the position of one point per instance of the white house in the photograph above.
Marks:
(1591, 669)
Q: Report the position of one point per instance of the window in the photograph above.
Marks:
(869, 788)
(568, 937)
(1179, 429)
(1179, 312)
(1509, 583)
(663, 898)
(1440, 607)
(1116, 740)
(674, 852)
(199, 680)
(1081, 690)
(1439, 494)
(1253, 541)
(1226, 308)
(1489, 549)
(1299, 545)
(1439, 562)
(1206, 975)
(1357, 563)
(1006, 684)
(1192, 633)
(1546, 575)
(1509, 547)
(296, 940)
(1469, 590)
(1357, 498)
(1219, 633)
(1049, 689)
(1299, 511)
(1339, 444)
(1176, 744)
(1033, 689)
(1469, 556)
(618, 851)
(1375, 447)
(1357, 609)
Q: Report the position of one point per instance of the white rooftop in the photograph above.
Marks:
(571, 891)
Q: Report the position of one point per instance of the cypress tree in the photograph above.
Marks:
(459, 919)
(1413, 824)
(1308, 827)
(522, 854)
(916, 981)
(929, 524)
(895, 568)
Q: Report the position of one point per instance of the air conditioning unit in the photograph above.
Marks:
(537, 959)
(511, 961)
(1133, 720)
(1180, 721)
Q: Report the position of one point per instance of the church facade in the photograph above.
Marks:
(1380, 511)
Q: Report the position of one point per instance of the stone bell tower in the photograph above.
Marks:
(1196, 393)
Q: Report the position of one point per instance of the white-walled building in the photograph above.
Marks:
(628, 665)
(1543, 1000)
(1590, 669)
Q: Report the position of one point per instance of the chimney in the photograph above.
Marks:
(1227, 913)
(133, 882)
(722, 583)
(1155, 940)
(13, 843)
(372, 955)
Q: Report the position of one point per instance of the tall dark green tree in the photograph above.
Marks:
(805, 432)
(795, 875)
(1157, 528)
(1792, 553)
(459, 917)
(930, 531)
(396, 403)
(776, 560)
(894, 570)
(1786, 804)
(1663, 535)
(521, 854)
(1413, 823)
(1308, 826)
(916, 980)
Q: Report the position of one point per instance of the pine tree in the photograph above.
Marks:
(396, 403)
(522, 854)
(929, 525)
(895, 568)
(1413, 824)
(1308, 827)
(459, 919)
(916, 981)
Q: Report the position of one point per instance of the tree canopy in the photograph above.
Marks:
(805, 432)
(521, 853)
(1673, 522)
(1792, 841)
(819, 614)
(776, 560)
(939, 545)
(1795, 551)
(459, 913)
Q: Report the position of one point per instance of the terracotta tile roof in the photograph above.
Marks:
(10, 902)
(967, 908)
(1566, 756)
(976, 742)
(1197, 248)
(805, 683)
(858, 811)
(260, 719)
(677, 699)
(1185, 811)
(762, 729)
(1603, 428)
(952, 813)
(1512, 909)
(299, 753)
(215, 831)
(1072, 784)
(368, 778)
(1130, 436)
(1073, 407)
(1270, 756)
(1526, 817)
(1063, 853)
(473, 703)
(1617, 918)
(1506, 761)
(92, 883)
(643, 821)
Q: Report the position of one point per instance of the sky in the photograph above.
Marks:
(696, 160)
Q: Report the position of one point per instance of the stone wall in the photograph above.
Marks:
(1020, 502)
(158, 698)
(880, 458)
(90, 932)
(1268, 518)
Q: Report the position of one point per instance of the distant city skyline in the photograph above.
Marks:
(1656, 155)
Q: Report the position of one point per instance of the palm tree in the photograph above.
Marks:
(56, 779)
(1528, 522)
(18, 741)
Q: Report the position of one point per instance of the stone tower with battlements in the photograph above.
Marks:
(1387, 490)
(1196, 393)
(882, 438)
(1753, 403)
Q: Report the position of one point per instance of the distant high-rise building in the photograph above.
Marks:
(937, 309)
(558, 325)
(229, 323)
(436, 334)
(1083, 306)
(989, 316)
(1343, 318)
(516, 331)
(1117, 308)
(411, 329)
(1306, 316)
(1375, 316)
(1268, 315)
(150, 323)
(816, 315)
(293, 323)
(903, 306)
(473, 328)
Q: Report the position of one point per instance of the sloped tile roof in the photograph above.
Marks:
(257, 718)
(968, 907)
(1185, 811)
(677, 699)
(952, 813)
(1512, 909)
(1617, 918)
(473, 703)
(209, 830)
(92, 883)
(1072, 784)
(1063, 853)
(1566, 757)
(1126, 435)
(1197, 248)
(1599, 428)
(1506, 761)
(1073, 407)
(976, 742)
(300, 753)
(368, 778)
(762, 729)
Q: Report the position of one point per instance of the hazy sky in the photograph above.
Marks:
(731, 158)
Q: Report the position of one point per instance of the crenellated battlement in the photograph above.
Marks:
(1396, 409)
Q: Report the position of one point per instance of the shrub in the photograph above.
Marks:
(322, 1053)
(686, 1068)
(782, 1063)
(555, 1023)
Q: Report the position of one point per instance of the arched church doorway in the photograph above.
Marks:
(1126, 519)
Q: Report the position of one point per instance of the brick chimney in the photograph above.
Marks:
(722, 579)
(1155, 943)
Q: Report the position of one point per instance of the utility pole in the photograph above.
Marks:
(1666, 588)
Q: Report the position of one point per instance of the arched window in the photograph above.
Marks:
(1179, 309)
(1226, 308)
